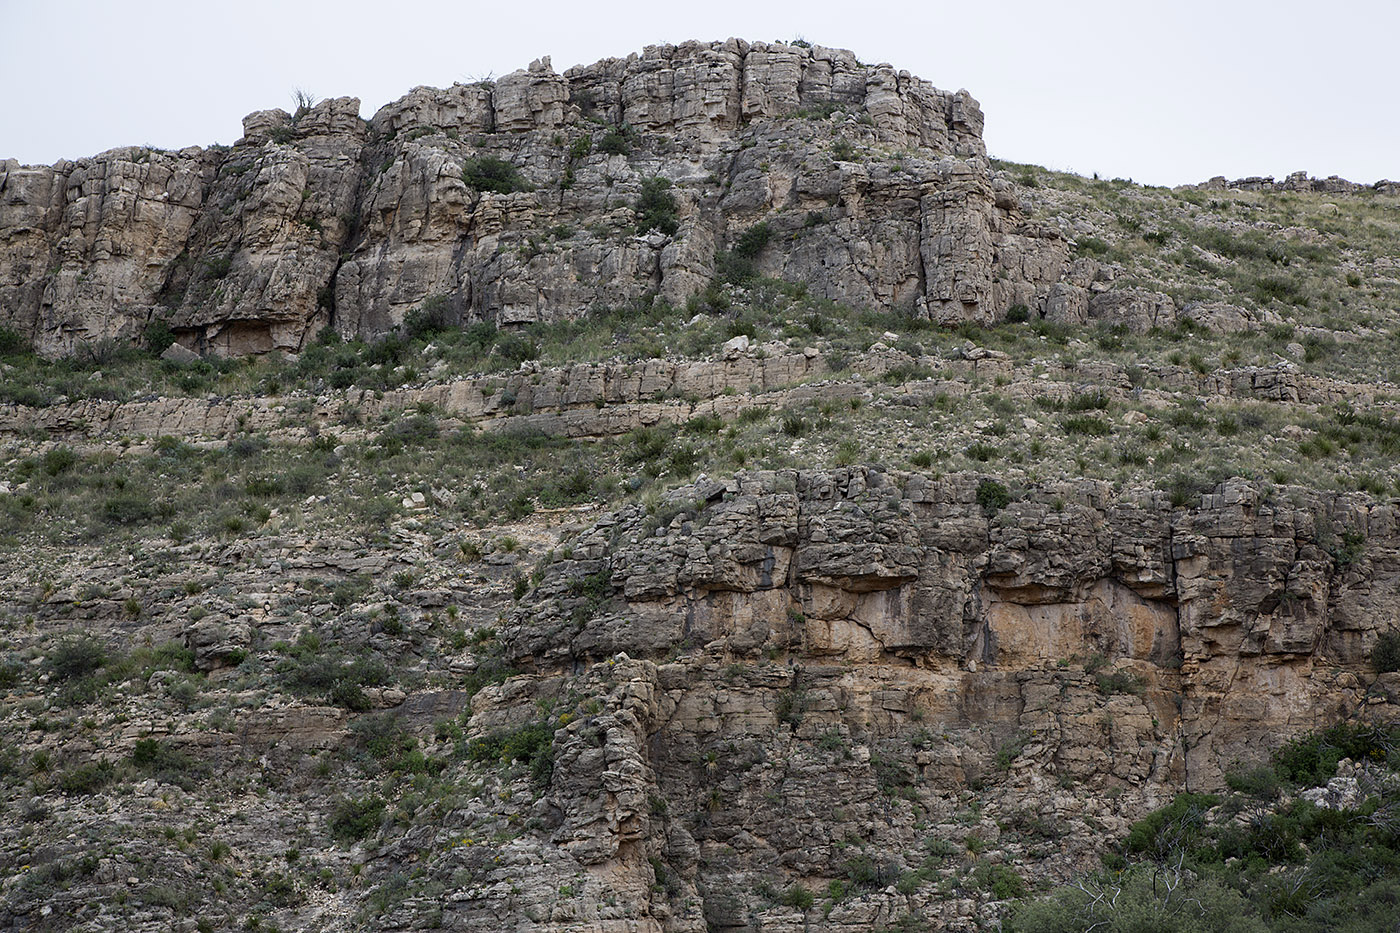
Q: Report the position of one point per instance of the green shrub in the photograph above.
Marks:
(1120, 682)
(517, 507)
(581, 147)
(517, 348)
(1087, 401)
(740, 264)
(862, 872)
(75, 657)
(992, 496)
(164, 762)
(644, 445)
(128, 508)
(218, 267)
(1261, 782)
(1001, 880)
(1010, 750)
(434, 316)
(393, 747)
(1089, 425)
(1140, 901)
(336, 676)
(981, 451)
(353, 820)
(1345, 551)
(1312, 759)
(59, 460)
(88, 778)
(157, 337)
(262, 486)
(13, 345)
(409, 431)
(656, 207)
(1385, 657)
(892, 778)
(1175, 828)
(491, 670)
(1091, 246)
(532, 745)
(752, 241)
(281, 890)
(1293, 866)
(703, 424)
(1182, 490)
(1269, 288)
(489, 173)
(618, 140)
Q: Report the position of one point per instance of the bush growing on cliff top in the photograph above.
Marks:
(992, 496)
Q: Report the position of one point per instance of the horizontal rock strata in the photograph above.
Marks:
(874, 185)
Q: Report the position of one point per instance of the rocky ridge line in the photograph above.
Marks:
(320, 217)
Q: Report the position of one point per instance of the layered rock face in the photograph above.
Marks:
(874, 185)
(790, 673)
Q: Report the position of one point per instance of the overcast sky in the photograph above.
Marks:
(1176, 95)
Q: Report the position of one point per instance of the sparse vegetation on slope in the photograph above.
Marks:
(746, 608)
(1307, 842)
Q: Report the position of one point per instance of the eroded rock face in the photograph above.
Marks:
(87, 245)
(784, 662)
(875, 186)
(1245, 599)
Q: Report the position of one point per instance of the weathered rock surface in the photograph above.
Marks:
(875, 186)
(785, 678)
(1300, 181)
(787, 662)
(807, 699)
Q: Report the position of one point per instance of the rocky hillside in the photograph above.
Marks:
(531, 198)
(722, 500)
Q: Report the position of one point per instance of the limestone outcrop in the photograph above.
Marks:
(761, 615)
(786, 662)
(874, 186)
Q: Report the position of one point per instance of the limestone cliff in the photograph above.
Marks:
(794, 671)
(788, 610)
(875, 187)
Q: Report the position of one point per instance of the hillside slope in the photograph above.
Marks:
(854, 532)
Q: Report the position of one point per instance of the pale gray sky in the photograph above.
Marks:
(1164, 93)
